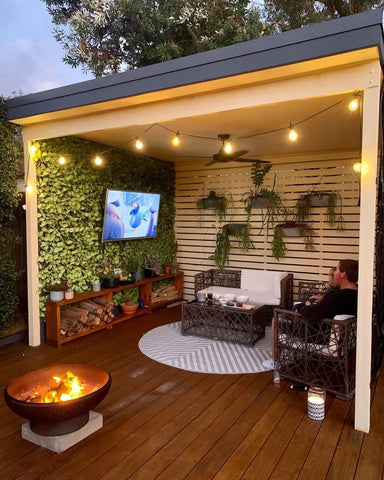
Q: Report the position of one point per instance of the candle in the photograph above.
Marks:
(316, 402)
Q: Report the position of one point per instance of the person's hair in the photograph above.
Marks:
(351, 269)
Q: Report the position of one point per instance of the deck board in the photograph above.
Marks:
(163, 423)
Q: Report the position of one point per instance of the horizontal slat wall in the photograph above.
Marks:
(196, 232)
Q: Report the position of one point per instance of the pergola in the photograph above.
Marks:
(254, 86)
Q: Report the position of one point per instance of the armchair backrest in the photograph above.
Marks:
(307, 289)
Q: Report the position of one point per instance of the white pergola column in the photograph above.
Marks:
(369, 156)
(32, 248)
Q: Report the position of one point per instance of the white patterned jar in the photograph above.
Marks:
(316, 401)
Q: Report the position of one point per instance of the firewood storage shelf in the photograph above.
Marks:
(53, 309)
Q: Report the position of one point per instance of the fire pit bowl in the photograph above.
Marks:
(60, 417)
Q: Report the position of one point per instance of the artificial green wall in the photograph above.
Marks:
(71, 202)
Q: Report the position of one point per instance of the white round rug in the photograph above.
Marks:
(167, 345)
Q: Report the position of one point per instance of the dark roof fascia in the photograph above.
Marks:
(338, 36)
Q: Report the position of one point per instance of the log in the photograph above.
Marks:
(78, 313)
(91, 306)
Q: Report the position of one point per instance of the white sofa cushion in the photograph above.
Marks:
(264, 283)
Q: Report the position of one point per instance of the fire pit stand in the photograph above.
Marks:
(58, 425)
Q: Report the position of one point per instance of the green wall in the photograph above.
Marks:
(71, 206)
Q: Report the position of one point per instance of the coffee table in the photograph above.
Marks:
(231, 324)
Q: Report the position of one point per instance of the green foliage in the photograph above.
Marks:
(278, 245)
(71, 206)
(128, 295)
(223, 244)
(289, 14)
(108, 37)
(10, 154)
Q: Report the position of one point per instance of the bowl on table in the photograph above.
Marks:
(229, 297)
(242, 298)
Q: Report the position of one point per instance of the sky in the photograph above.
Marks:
(30, 57)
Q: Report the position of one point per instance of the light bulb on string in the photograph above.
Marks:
(228, 147)
(353, 104)
(176, 139)
(33, 150)
(292, 134)
(62, 161)
(29, 189)
(138, 144)
(98, 161)
(359, 167)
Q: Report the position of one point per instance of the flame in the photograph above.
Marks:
(67, 387)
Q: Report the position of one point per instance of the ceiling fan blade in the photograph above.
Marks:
(239, 153)
(250, 160)
(211, 162)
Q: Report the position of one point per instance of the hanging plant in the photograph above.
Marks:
(325, 198)
(261, 197)
(223, 244)
(218, 204)
(290, 228)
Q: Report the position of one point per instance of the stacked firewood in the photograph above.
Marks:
(164, 294)
(82, 316)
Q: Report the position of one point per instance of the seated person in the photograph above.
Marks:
(339, 301)
(342, 300)
(330, 285)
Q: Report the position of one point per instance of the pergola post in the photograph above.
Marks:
(369, 155)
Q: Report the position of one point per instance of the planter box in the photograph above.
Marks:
(291, 232)
(110, 282)
(261, 202)
(236, 229)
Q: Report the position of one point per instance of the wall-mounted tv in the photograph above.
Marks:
(130, 215)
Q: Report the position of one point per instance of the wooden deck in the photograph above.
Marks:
(169, 424)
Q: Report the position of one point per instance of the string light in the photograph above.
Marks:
(29, 189)
(176, 139)
(33, 149)
(292, 134)
(62, 161)
(359, 167)
(98, 161)
(353, 104)
(139, 144)
(228, 147)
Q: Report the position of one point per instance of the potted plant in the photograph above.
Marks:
(290, 228)
(152, 265)
(321, 198)
(56, 291)
(213, 201)
(262, 197)
(223, 244)
(109, 279)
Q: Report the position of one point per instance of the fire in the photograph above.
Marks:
(67, 387)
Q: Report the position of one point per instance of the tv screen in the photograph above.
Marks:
(130, 215)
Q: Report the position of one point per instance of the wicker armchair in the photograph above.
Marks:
(232, 278)
(307, 289)
(325, 351)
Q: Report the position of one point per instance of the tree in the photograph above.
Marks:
(285, 15)
(109, 36)
(10, 153)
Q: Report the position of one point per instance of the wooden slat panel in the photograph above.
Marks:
(196, 231)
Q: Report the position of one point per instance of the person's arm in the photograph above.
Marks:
(317, 311)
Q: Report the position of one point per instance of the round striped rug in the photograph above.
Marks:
(167, 345)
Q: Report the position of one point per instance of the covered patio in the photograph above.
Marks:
(163, 423)
(254, 92)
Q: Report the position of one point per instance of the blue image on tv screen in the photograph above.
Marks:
(130, 215)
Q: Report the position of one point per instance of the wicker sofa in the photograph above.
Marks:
(273, 289)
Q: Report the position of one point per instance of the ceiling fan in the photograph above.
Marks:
(225, 155)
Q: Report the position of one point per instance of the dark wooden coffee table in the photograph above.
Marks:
(231, 324)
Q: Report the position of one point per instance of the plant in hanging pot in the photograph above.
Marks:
(262, 197)
(213, 201)
(290, 228)
(223, 244)
(321, 198)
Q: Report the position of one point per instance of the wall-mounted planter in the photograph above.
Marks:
(260, 202)
(236, 229)
(291, 231)
(321, 199)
